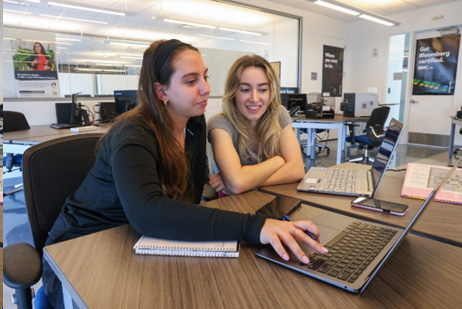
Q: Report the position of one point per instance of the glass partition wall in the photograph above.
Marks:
(95, 53)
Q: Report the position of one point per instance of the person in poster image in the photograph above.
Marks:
(39, 61)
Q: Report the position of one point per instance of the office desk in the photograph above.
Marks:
(101, 271)
(18, 141)
(454, 121)
(336, 123)
(439, 220)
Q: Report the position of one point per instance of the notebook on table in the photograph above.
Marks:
(357, 248)
(420, 178)
(158, 246)
(354, 180)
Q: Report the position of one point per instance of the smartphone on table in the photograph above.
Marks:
(391, 208)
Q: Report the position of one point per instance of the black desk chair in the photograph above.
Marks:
(51, 171)
(13, 121)
(374, 133)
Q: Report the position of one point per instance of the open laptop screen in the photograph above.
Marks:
(389, 143)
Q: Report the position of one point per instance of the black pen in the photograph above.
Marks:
(286, 218)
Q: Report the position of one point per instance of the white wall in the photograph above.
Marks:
(107, 83)
(73, 83)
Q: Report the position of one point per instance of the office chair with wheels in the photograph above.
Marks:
(13, 121)
(374, 133)
(51, 171)
(318, 141)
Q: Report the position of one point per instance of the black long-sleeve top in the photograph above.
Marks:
(124, 187)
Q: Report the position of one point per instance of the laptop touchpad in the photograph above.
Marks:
(326, 233)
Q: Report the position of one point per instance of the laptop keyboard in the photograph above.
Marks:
(340, 180)
(351, 251)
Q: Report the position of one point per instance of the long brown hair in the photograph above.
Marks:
(152, 115)
(268, 128)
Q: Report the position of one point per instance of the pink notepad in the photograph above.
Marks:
(420, 180)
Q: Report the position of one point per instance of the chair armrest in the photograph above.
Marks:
(351, 131)
(375, 133)
(22, 266)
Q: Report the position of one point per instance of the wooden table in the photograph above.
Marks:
(19, 141)
(101, 271)
(440, 221)
(338, 123)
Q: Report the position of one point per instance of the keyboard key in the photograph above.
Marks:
(344, 275)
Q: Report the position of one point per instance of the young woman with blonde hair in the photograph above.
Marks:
(253, 141)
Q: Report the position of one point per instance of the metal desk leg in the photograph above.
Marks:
(311, 143)
(451, 139)
(341, 142)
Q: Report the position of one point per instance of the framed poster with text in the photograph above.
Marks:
(35, 69)
(436, 65)
(332, 71)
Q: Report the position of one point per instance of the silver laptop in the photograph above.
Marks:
(353, 179)
(357, 248)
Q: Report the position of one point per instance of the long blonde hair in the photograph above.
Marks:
(268, 128)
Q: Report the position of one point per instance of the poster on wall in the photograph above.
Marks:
(436, 65)
(35, 69)
(332, 71)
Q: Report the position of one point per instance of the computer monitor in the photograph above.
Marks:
(75, 116)
(125, 100)
(296, 99)
(63, 113)
(107, 111)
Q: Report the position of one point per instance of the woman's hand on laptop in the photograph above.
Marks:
(276, 232)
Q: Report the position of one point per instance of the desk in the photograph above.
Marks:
(454, 121)
(101, 271)
(19, 141)
(336, 123)
(440, 221)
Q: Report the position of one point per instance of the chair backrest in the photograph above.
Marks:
(52, 171)
(14, 121)
(377, 121)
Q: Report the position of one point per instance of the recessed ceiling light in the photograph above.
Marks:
(189, 23)
(215, 37)
(135, 45)
(68, 39)
(76, 19)
(253, 42)
(17, 12)
(240, 31)
(86, 8)
(336, 7)
(377, 20)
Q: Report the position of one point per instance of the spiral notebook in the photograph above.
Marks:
(156, 246)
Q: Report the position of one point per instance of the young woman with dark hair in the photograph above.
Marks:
(151, 168)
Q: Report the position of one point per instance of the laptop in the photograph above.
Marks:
(353, 179)
(347, 265)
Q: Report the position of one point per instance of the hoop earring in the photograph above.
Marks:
(165, 102)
